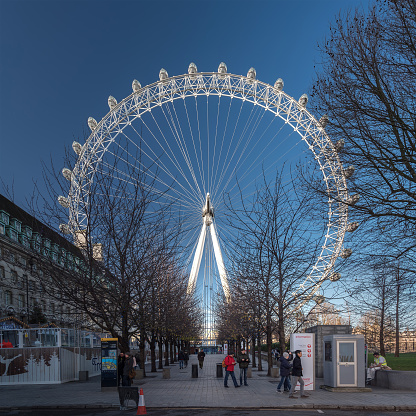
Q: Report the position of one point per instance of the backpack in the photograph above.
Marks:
(223, 364)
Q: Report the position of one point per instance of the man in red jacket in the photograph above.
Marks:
(229, 369)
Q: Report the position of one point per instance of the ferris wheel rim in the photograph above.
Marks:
(234, 86)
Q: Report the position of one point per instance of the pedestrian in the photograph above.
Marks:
(380, 363)
(186, 358)
(243, 362)
(120, 366)
(181, 358)
(297, 375)
(229, 362)
(285, 368)
(201, 357)
(127, 369)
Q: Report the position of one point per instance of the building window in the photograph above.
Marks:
(8, 298)
(2, 273)
(31, 286)
(13, 276)
(21, 301)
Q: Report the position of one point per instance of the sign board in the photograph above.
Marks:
(226, 349)
(305, 343)
(109, 375)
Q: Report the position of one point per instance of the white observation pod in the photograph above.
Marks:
(339, 145)
(163, 74)
(192, 69)
(92, 123)
(64, 202)
(319, 299)
(67, 173)
(64, 229)
(112, 102)
(349, 171)
(303, 100)
(251, 74)
(352, 226)
(136, 86)
(353, 199)
(335, 277)
(346, 253)
(279, 84)
(222, 68)
(77, 148)
(323, 121)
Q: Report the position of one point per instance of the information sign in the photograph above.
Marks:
(305, 343)
(109, 376)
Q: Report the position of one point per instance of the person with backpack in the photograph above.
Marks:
(229, 363)
(243, 361)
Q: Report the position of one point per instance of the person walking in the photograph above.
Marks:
(127, 368)
(181, 358)
(297, 376)
(229, 362)
(201, 357)
(243, 362)
(120, 366)
(285, 367)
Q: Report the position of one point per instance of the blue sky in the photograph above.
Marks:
(60, 60)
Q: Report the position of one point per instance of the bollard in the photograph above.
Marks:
(219, 370)
(166, 373)
(249, 372)
(139, 374)
(275, 372)
(194, 370)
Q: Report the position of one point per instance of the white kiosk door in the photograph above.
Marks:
(346, 363)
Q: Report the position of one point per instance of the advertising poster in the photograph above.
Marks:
(305, 343)
(109, 377)
(226, 349)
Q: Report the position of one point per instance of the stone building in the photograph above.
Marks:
(26, 244)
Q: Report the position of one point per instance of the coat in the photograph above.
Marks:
(297, 367)
(229, 362)
(243, 360)
(128, 366)
(285, 366)
(201, 356)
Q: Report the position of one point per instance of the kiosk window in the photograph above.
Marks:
(328, 351)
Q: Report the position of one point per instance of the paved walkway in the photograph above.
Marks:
(206, 391)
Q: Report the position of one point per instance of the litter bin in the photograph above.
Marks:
(219, 370)
(194, 370)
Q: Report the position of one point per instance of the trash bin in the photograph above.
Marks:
(194, 370)
(219, 370)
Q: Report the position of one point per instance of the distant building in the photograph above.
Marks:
(25, 292)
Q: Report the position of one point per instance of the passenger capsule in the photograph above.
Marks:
(346, 253)
(64, 202)
(92, 123)
(349, 171)
(352, 226)
(77, 148)
(251, 74)
(192, 69)
(335, 277)
(279, 84)
(64, 229)
(112, 102)
(318, 299)
(339, 145)
(222, 68)
(303, 100)
(323, 121)
(163, 74)
(136, 86)
(353, 199)
(67, 173)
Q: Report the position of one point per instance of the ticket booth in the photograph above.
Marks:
(344, 360)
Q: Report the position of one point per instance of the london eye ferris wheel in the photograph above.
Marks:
(204, 135)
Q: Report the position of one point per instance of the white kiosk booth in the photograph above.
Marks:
(344, 361)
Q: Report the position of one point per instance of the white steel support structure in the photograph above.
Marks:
(208, 223)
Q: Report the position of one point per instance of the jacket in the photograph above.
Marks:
(201, 356)
(181, 356)
(243, 360)
(285, 366)
(128, 366)
(297, 367)
(230, 363)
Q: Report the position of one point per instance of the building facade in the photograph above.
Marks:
(26, 245)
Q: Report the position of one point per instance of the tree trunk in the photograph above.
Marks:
(260, 364)
(253, 352)
(160, 353)
(269, 349)
(397, 349)
(153, 353)
(166, 351)
(142, 345)
(171, 350)
(382, 314)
